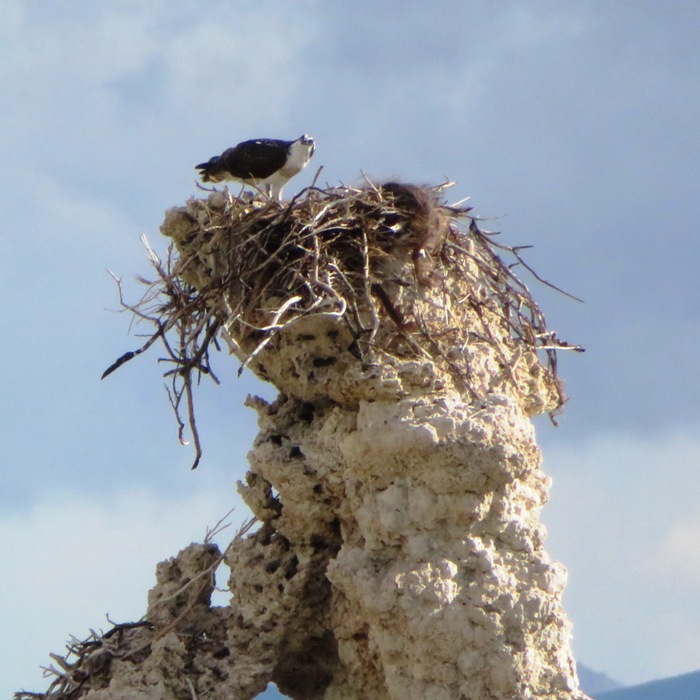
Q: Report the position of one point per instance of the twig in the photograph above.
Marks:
(251, 270)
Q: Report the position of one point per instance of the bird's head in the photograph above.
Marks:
(308, 141)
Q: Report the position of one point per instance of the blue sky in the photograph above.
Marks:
(574, 122)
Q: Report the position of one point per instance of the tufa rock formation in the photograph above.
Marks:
(396, 478)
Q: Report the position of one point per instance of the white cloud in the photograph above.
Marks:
(527, 26)
(69, 561)
(677, 562)
(623, 518)
(100, 94)
(212, 62)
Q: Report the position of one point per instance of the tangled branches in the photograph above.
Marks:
(187, 330)
(400, 272)
(184, 588)
(88, 659)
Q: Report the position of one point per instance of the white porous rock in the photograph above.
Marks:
(426, 510)
(400, 553)
(398, 481)
(400, 557)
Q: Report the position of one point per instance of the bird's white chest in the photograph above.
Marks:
(299, 156)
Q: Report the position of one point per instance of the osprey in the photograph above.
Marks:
(267, 164)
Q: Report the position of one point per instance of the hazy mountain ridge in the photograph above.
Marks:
(595, 682)
(601, 687)
(684, 687)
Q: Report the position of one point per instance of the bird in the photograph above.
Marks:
(267, 164)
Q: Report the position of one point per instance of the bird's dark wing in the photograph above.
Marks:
(256, 159)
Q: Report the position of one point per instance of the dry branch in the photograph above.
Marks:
(249, 270)
(86, 663)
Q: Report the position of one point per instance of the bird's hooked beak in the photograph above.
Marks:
(307, 140)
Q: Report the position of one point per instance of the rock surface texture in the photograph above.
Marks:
(417, 523)
(397, 482)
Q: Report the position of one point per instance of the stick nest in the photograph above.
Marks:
(391, 273)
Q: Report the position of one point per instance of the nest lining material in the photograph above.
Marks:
(396, 271)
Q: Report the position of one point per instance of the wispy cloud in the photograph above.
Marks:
(93, 89)
(677, 562)
(623, 508)
(70, 561)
